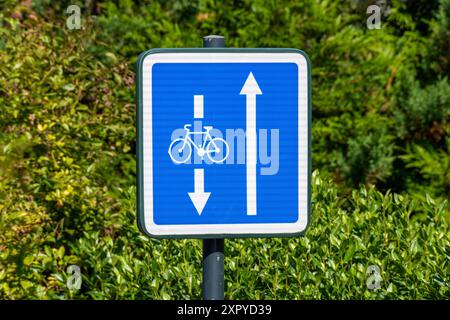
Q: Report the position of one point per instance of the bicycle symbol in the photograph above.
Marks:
(180, 149)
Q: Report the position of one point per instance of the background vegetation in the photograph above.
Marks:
(381, 150)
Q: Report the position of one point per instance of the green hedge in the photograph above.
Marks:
(67, 152)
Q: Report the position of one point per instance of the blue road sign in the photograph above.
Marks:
(223, 142)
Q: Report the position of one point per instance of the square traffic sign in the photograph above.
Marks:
(223, 142)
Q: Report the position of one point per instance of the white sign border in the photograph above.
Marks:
(224, 230)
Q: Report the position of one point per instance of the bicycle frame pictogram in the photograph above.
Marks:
(208, 147)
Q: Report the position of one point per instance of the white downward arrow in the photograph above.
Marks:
(251, 89)
(199, 197)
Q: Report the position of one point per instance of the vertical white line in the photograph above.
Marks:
(198, 106)
(147, 143)
(199, 181)
(251, 154)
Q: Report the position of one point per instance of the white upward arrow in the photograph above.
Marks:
(199, 197)
(251, 89)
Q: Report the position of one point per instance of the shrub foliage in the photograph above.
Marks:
(381, 124)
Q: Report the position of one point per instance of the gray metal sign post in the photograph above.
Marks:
(164, 191)
(213, 249)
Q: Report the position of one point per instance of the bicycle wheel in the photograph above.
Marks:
(217, 150)
(180, 151)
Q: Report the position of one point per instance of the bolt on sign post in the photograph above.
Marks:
(224, 146)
